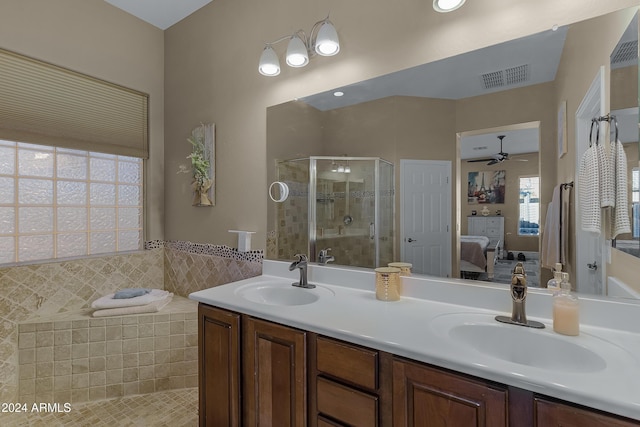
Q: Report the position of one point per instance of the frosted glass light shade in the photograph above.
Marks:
(297, 55)
(327, 43)
(269, 64)
(447, 5)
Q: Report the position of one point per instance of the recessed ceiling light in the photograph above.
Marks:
(447, 5)
(338, 93)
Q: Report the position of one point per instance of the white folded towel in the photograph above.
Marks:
(152, 307)
(589, 191)
(108, 301)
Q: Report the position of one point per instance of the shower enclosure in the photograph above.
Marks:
(342, 203)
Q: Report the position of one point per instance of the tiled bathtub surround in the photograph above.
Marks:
(80, 358)
(38, 291)
(28, 292)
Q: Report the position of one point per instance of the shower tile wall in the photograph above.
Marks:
(292, 236)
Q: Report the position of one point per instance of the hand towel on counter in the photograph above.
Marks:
(152, 307)
(620, 217)
(108, 301)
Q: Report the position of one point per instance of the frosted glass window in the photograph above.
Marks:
(103, 194)
(129, 217)
(35, 163)
(7, 190)
(7, 160)
(103, 218)
(35, 191)
(35, 220)
(35, 247)
(103, 169)
(7, 249)
(72, 219)
(7, 220)
(129, 195)
(103, 242)
(129, 172)
(71, 193)
(130, 240)
(71, 245)
(72, 167)
(59, 203)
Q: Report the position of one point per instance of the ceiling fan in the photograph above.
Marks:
(498, 158)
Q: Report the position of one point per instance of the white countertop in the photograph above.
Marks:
(349, 311)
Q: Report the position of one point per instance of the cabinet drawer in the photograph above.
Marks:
(347, 405)
(494, 222)
(347, 362)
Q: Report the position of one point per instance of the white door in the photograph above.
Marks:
(425, 209)
(589, 246)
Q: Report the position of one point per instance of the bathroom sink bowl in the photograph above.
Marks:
(281, 293)
(536, 348)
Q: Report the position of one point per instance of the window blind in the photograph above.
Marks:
(46, 104)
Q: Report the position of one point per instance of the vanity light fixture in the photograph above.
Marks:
(322, 40)
(447, 5)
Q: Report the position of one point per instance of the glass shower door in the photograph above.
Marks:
(343, 210)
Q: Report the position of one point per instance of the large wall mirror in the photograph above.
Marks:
(486, 120)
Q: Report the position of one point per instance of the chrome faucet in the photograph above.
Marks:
(324, 257)
(519, 296)
(301, 264)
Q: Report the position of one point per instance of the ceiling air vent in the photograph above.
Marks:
(626, 51)
(494, 79)
(506, 77)
(517, 74)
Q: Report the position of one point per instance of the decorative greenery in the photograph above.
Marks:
(200, 158)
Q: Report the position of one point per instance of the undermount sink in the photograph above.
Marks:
(281, 293)
(537, 348)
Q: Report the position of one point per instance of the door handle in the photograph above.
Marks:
(411, 240)
(593, 266)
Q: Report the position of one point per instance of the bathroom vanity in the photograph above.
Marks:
(271, 354)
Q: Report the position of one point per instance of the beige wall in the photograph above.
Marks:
(95, 38)
(211, 75)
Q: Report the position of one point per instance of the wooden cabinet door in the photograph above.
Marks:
(275, 375)
(555, 414)
(425, 396)
(219, 364)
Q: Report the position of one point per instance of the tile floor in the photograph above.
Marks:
(173, 408)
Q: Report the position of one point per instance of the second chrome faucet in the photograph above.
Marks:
(518, 296)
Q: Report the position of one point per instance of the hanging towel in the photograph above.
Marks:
(108, 301)
(152, 307)
(550, 250)
(606, 177)
(565, 218)
(620, 216)
(588, 191)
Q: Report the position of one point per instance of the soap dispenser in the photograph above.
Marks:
(554, 283)
(566, 309)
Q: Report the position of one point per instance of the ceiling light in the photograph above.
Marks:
(347, 169)
(322, 40)
(447, 5)
(327, 43)
(334, 167)
(269, 63)
(297, 55)
(341, 168)
(338, 93)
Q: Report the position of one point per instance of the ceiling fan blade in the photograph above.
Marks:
(493, 162)
(480, 160)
